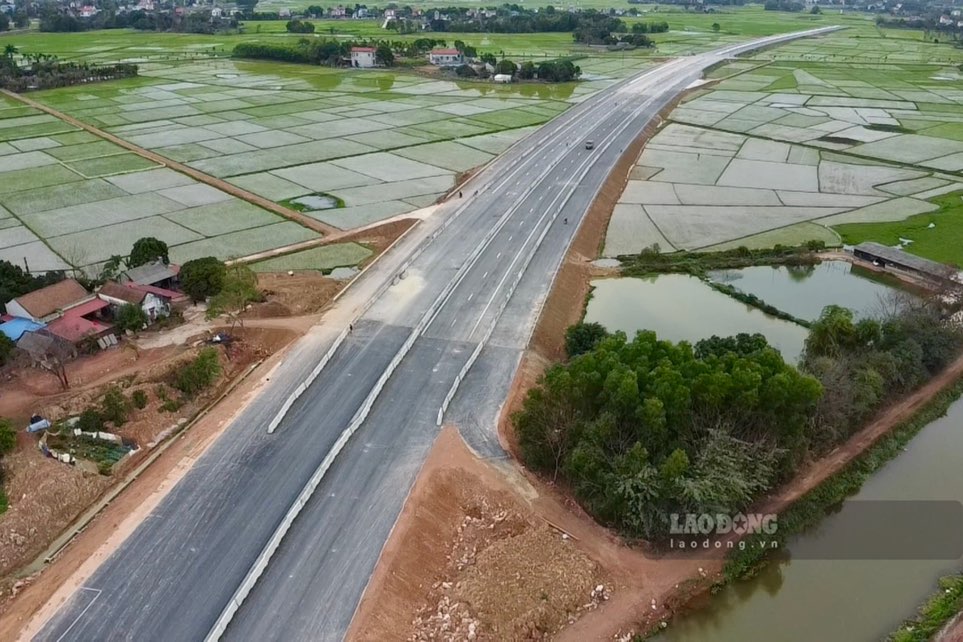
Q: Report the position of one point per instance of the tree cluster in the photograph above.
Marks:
(644, 428)
(323, 51)
(42, 71)
(299, 26)
(864, 363)
(650, 27)
(193, 22)
(784, 5)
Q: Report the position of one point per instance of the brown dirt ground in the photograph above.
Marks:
(469, 560)
(46, 496)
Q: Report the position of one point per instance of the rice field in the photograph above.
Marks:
(793, 142)
(64, 192)
(383, 142)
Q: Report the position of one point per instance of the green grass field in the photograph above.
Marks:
(943, 242)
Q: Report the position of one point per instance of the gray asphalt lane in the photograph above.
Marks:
(173, 576)
(299, 597)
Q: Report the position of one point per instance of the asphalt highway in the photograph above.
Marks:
(474, 278)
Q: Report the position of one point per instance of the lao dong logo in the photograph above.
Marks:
(719, 530)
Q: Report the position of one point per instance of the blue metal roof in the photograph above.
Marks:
(16, 327)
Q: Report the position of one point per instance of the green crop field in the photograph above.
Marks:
(936, 235)
(809, 115)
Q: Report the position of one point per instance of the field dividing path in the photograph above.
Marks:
(224, 186)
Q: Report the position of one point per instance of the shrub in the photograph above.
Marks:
(130, 317)
(171, 405)
(90, 421)
(139, 398)
(199, 373)
(105, 468)
(115, 407)
(8, 436)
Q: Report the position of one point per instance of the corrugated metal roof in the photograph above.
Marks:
(905, 259)
(150, 273)
(16, 327)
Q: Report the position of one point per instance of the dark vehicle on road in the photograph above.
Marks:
(589, 144)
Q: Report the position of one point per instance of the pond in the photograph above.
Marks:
(800, 600)
(803, 291)
(683, 308)
(313, 202)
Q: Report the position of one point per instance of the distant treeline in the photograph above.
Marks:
(46, 72)
(196, 22)
(322, 51)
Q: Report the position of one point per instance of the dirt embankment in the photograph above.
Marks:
(470, 560)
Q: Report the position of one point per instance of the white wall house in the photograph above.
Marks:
(363, 57)
(118, 296)
(446, 57)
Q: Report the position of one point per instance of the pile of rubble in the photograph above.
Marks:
(508, 579)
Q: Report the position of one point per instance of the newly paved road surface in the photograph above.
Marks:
(480, 269)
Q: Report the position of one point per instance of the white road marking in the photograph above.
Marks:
(86, 608)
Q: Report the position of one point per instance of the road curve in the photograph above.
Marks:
(474, 280)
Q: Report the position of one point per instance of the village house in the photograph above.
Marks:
(49, 303)
(157, 273)
(446, 57)
(70, 312)
(363, 57)
(154, 304)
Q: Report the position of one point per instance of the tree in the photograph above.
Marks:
(489, 58)
(239, 289)
(146, 250)
(130, 317)
(197, 375)
(202, 278)
(506, 67)
(583, 337)
(4, 22)
(14, 282)
(527, 70)
(384, 55)
(111, 268)
(716, 27)
(644, 428)
(115, 407)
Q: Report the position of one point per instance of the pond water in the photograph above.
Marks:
(803, 291)
(316, 202)
(683, 308)
(800, 600)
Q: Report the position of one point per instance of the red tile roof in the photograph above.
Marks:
(74, 329)
(86, 308)
(362, 49)
(445, 52)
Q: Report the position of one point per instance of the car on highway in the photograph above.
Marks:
(589, 144)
